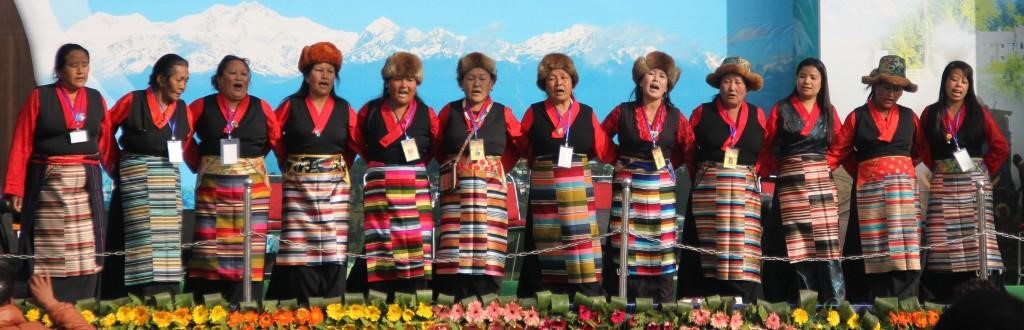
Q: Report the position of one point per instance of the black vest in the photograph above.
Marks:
(712, 131)
(251, 131)
(788, 140)
(865, 140)
(935, 131)
(52, 134)
(375, 130)
(139, 135)
(492, 130)
(297, 132)
(581, 132)
(630, 143)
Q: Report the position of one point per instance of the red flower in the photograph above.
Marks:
(618, 317)
(554, 324)
(585, 314)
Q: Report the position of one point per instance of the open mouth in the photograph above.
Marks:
(323, 84)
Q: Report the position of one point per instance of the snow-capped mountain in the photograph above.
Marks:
(130, 44)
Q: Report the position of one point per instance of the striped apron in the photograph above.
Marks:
(953, 214)
(151, 199)
(563, 212)
(474, 220)
(652, 213)
(219, 215)
(809, 205)
(64, 227)
(316, 210)
(888, 213)
(398, 222)
(727, 212)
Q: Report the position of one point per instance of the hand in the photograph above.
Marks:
(42, 290)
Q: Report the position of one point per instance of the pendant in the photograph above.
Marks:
(949, 137)
(558, 131)
(317, 133)
(79, 116)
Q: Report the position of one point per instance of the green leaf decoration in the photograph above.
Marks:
(560, 304)
(354, 298)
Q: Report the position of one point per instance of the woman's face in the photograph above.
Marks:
(321, 79)
(886, 95)
(402, 91)
(732, 90)
(75, 72)
(559, 86)
(233, 83)
(956, 86)
(477, 85)
(808, 82)
(171, 87)
(654, 84)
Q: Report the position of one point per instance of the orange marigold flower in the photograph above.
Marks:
(250, 317)
(933, 317)
(920, 319)
(162, 319)
(316, 315)
(284, 317)
(235, 319)
(142, 315)
(302, 316)
(266, 320)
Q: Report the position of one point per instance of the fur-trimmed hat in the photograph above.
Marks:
(656, 60)
(476, 60)
(892, 70)
(552, 62)
(739, 66)
(402, 65)
(321, 52)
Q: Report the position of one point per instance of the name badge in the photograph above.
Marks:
(731, 158)
(476, 149)
(229, 151)
(565, 156)
(409, 148)
(174, 154)
(964, 160)
(78, 136)
(659, 159)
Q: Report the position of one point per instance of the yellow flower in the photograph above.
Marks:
(425, 311)
(853, 322)
(878, 326)
(799, 316)
(218, 314)
(142, 315)
(372, 313)
(162, 319)
(407, 315)
(46, 321)
(394, 312)
(125, 314)
(335, 311)
(355, 312)
(109, 320)
(33, 315)
(833, 318)
(88, 316)
(181, 317)
(200, 315)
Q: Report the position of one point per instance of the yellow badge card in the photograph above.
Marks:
(731, 157)
(409, 148)
(476, 149)
(659, 159)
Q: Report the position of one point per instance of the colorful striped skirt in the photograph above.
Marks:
(809, 204)
(151, 200)
(726, 207)
(888, 214)
(474, 220)
(64, 227)
(953, 214)
(652, 212)
(562, 212)
(219, 216)
(316, 210)
(397, 222)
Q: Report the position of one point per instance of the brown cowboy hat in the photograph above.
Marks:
(656, 60)
(736, 65)
(892, 69)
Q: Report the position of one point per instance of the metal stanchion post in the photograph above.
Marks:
(983, 231)
(624, 240)
(247, 242)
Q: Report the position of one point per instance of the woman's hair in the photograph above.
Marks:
(823, 100)
(164, 67)
(224, 66)
(972, 117)
(61, 60)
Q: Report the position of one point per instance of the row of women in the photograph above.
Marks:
(64, 135)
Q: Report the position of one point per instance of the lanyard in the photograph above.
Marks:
(564, 122)
(170, 123)
(952, 127)
(476, 120)
(404, 123)
(79, 116)
(230, 125)
(657, 126)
